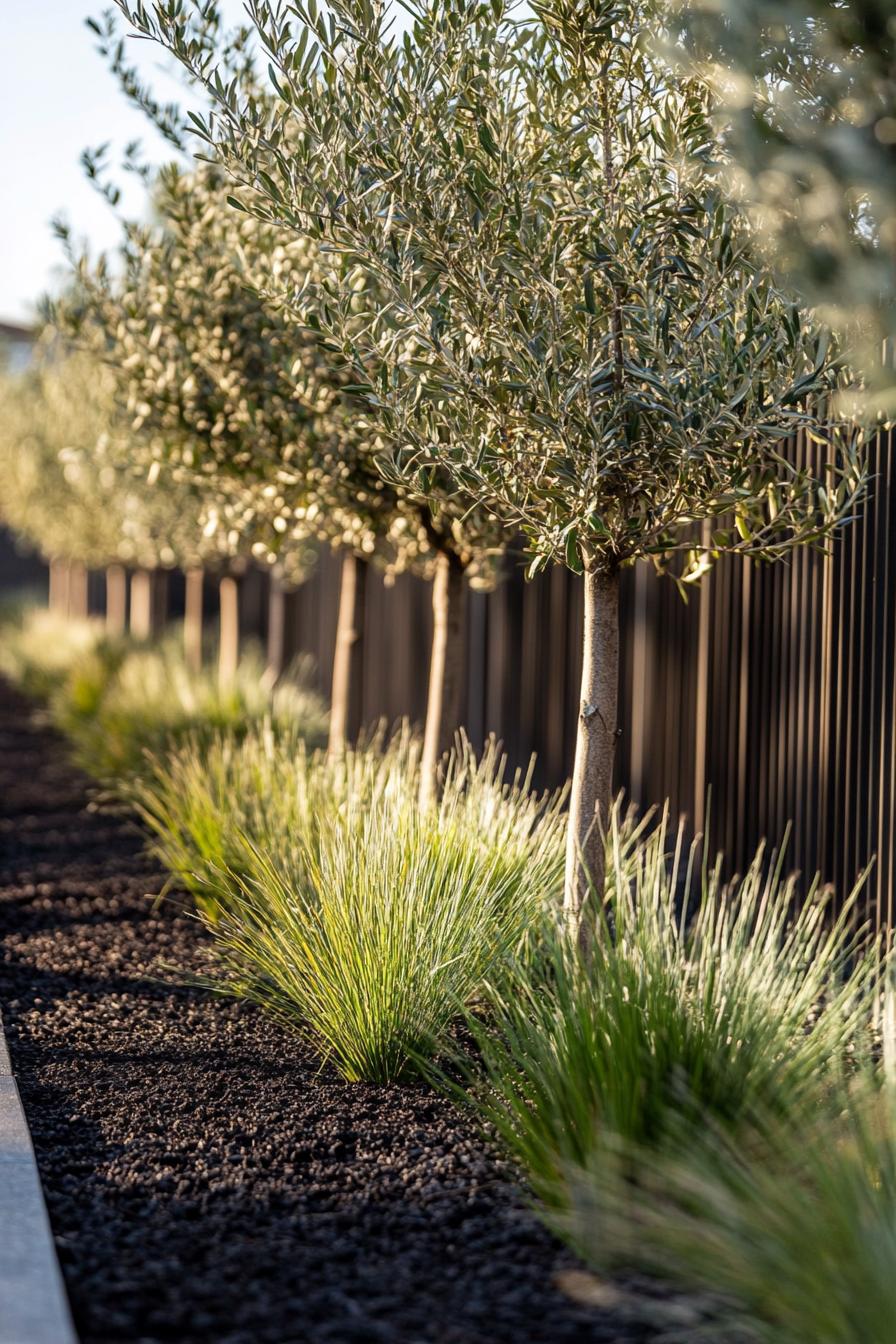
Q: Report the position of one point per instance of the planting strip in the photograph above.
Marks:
(33, 1305)
(209, 1181)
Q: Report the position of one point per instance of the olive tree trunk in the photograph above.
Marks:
(60, 576)
(229, 631)
(116, 599)
(446, 671)
(77, 591)
(276, 645)
(194, 587)
(345, 696)
(141, 604)
(591, 798)
(149, 602)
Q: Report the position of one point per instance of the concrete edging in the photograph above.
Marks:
(33, 1305)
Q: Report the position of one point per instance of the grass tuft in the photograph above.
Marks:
(121, 701)
(341, 906)
(701, 1004)
(38, 648)
(791, 1231)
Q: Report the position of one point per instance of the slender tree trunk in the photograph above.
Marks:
(229, 632)
(60, 575)
(345, 697)
(446, 671)
(193, 593)
(276, 629)
(116, 600)
(591, 798)
(149, 602)
(77, 591)
(141, 604)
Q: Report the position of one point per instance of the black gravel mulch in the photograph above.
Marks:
(207, 1181)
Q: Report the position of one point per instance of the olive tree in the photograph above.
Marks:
(539, 209)
(65, 494)
(43, 412)
(227, 391)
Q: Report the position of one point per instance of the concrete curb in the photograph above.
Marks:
(5, 1065)
(33, 1305)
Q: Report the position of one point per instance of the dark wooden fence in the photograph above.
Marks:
(772, 691)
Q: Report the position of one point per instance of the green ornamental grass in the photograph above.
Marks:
(208, 803)
(38, 647)
(341, 906)
(121, 701)
(791, 1231)
(699, 1003)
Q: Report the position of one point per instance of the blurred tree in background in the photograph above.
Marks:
(74, 488)
(806, 100)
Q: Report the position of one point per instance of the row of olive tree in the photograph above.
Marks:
(557, 324)
(235, 390)
(71, 491)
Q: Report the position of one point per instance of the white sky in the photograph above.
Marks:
(56, 99)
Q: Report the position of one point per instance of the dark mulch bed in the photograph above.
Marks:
(206, 1180)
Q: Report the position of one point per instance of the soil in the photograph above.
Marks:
(207, 1180)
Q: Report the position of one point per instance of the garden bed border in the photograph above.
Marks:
(33, 1305)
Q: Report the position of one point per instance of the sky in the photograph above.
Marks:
(56, 99)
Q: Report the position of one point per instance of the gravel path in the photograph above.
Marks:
(206, 1180)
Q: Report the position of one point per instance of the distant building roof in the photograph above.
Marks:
(14, 331)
